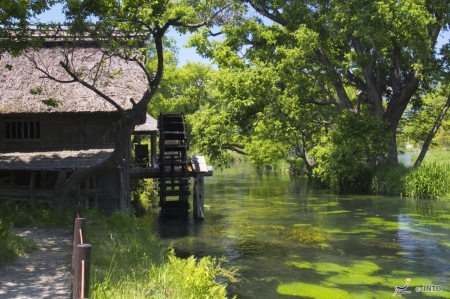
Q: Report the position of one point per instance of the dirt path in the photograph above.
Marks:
(44, 273)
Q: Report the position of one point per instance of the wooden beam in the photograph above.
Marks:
(59, 182)
(199, 164)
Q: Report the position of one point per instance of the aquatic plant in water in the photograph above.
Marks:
(308, 234)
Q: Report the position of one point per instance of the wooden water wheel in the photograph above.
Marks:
(173, 165)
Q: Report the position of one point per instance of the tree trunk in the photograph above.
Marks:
(124, 131)
(437, 125)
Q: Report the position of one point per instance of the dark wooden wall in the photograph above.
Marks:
(70, 131)
(61, 131)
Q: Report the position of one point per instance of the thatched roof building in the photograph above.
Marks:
(25, 89)
(52, 127)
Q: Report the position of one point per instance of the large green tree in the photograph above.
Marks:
(350, 55)
(119, 29)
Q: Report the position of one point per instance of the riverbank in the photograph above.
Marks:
(127, 261)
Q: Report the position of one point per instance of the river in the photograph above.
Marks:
(288, 240)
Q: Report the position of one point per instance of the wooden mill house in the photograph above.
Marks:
(50, 129)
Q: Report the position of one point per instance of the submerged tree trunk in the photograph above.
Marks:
(433, 131)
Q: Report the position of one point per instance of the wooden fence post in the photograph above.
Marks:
(81, 270)
(78, 232)
(77, 211)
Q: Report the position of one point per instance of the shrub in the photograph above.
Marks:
(129, 262)
(430, 180)
(388, 178)
(142, 195)
(344, 157)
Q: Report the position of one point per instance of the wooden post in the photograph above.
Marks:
(32, 185)
(121, 189)
(59, 182)
(94, 186)
(153, 160)
(78, 196)
(86, 194)
(199, 201)
(81, 271)
(78, 238)
(77, 211)
(200, 168)
(78, 232)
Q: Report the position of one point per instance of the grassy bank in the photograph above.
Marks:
(127, 259)
(431, 180)
(129, 262)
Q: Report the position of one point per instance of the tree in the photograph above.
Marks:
(344, 54)
(423, 120)
(120, 27)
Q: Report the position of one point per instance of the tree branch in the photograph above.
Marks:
(235, 148)
(266, 13)
(91, 87)
(177, 23)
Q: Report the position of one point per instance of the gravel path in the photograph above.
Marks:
(44, 273)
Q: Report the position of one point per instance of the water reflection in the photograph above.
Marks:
(287, 238)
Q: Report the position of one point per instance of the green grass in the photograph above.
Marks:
(434, 156)
(16, 214)
(12, 246)
(429, 181)
(129, 262)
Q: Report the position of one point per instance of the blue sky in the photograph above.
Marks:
(185, 54)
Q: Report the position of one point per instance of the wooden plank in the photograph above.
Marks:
(141, 173)
(199, 164)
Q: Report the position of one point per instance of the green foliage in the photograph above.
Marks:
(306, 234)
(333, 54)
(51, 102)
(143, 193)
(420, 117)
(12, 246)
(388, 178)
(15, 19)
(345, 155)
(15, 214)
(435, 156)
(430, 180)
(20, 214)
(128, 262)
(36, 90)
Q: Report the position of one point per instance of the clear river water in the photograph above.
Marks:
(289, 240)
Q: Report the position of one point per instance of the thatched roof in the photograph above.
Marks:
(23, 87)
(150, 125)
(55, 160)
